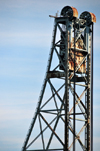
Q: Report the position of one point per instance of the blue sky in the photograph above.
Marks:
(25, 40)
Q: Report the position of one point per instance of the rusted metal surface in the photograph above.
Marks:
(93, 17)
(79, 57)
(79, 53)
(79, 44)
(75, 12)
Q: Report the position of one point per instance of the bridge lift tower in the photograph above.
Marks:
(63, 118)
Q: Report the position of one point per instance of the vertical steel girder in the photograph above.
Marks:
(71, 101)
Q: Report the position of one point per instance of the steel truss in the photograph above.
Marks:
(64, 115)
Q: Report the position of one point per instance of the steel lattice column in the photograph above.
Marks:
(65, 106)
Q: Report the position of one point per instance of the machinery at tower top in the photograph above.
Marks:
(71, 12)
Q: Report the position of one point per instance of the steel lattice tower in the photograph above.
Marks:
(63, 118)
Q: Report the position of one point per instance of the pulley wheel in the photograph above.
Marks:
(89, 17)
(69, 12)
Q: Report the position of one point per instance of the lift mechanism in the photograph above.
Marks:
(64, 115)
